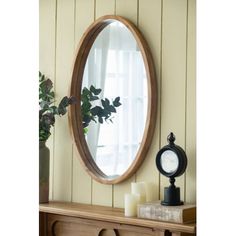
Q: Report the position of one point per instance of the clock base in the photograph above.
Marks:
(172, 196)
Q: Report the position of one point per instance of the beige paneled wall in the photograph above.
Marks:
(169, 27)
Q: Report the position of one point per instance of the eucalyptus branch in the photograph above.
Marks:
(96, 113)
(47, 110)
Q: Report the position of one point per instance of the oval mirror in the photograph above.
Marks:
(114, 81)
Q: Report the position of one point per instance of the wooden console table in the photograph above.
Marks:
(72, 219)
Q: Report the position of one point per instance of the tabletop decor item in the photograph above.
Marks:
(139, 188)
(171, 161)
(131, 201)
(47, 112)
(177, 214)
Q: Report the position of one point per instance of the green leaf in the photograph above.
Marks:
(85, 92)
(105, 103)
(44, 105)
(64, 102)
(86, 107)
(86, 119)
(93, 98)
(62, 110)
(85, 130)
(116, 102)
(85, 124)
(96, 110)
(46, 86)
(54, 110)
(94, 90)
(105, 113)
(111, 109)
(48, 119)
(100, 120)
(52, 94)
(92, 118)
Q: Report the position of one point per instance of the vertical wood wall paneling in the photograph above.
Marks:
(128, 9)
(101, 193)
(191, 105)
(104, 7)
(82, 182)
(150, 25)
(47, 26)
(176, 112)
(64, 57)
(173, 78)
(132, 14)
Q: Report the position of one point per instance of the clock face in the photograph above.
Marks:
(169, 161)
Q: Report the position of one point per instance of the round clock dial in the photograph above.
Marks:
(169, 161)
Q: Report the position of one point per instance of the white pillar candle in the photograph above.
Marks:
(131, 201)
(139, 188)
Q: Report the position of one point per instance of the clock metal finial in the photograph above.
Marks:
(171, 138)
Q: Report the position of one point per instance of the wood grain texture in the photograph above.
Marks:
(104, 7)
(108, 232)
(59, 225)
(82, 183)
(180, 234)
(47, 40)
(47, 24)
(173, 86)
(109, 215)
(191, 105)
(128, 9)
(120, 189)
(63, 143)
(83, 18)
(42, 224)
(101, 194)
(150, 24)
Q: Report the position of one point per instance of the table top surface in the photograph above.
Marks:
(109, 214)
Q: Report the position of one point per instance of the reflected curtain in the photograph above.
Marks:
(95, 74)
(125, 77)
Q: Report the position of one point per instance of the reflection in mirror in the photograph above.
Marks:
(115, 65)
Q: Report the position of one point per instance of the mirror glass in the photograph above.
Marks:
(115, 80)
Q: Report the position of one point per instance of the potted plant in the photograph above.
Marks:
(47, 112)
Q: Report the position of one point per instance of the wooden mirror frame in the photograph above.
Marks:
(85, 45)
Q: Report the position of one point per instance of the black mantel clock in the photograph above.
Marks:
(171, 161)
